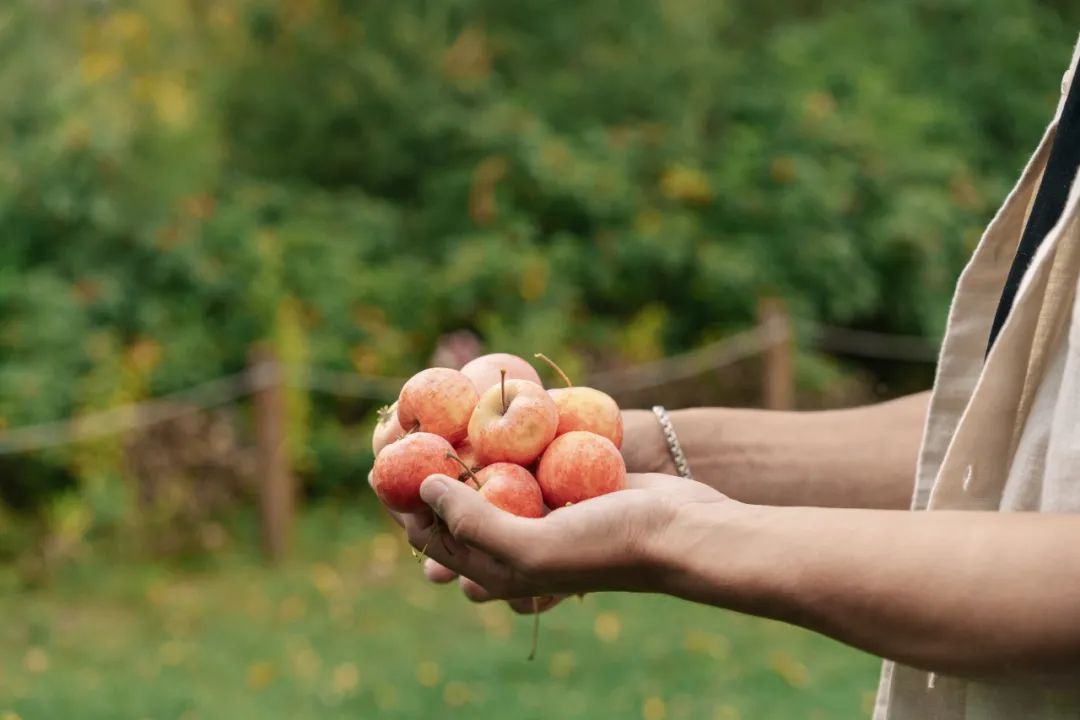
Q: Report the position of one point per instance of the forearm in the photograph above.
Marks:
(860, 457)
(970, 594)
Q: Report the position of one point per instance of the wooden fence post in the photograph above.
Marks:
(276, 491)
(778, 372)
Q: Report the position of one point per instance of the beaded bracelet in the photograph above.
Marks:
(681, 466)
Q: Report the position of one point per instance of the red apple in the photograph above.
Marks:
(387, 429)
(577, 466)
(484, 370)
(439, 401)
(585, 408)
(511, 488)
(513, 422)
(464, 450)
(402, 466)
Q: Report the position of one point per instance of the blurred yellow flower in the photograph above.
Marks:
(783, 170)
(386, 697)
(10, 715)
(534, 280)
(467, 62)
(727, 712)
(305, 663)
(172, 102)
(456, 694)
(173, 653)
(346, 678)
(819, 105)
(125, 26)
(326, 579)
(562, 664)
(654, 708)
(704, 643)
(791, 670)
(428, 673)
(649, 221)
(292, 608)
(686, 184)
(260, 674)
(495, 619)
(607, 626)
(36, 660)
(97, 66)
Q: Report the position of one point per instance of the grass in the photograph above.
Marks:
(348, 629)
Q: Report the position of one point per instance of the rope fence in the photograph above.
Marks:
(221, 391)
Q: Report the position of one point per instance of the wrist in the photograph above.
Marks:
(644, 447)
(727, 554)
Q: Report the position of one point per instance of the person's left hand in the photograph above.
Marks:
(614, 542)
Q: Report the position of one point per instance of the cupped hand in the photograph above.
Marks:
(612, 542)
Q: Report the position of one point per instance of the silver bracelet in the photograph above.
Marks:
(677, 455)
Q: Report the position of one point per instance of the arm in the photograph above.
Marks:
(964, 593)
(859, 457)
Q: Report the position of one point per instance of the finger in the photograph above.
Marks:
(438, 573)
(523, 606)
(460, 558)
(476, 522)
(474, 590)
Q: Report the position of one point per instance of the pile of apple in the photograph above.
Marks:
(492, 425)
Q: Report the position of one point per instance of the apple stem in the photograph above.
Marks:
(536, 627)
(502, 387)
(468, 470)
(436, 532)
(556, 368)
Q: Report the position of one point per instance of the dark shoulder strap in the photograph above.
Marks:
(1061, 168)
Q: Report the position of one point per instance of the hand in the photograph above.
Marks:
(644, 450)
(441, 575)
(613, 542)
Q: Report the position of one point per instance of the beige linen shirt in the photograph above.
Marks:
(1004, 434)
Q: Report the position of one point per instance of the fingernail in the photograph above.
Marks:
(432, 490)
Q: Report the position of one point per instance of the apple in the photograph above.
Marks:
(438, 401)
(511, 488)
(465, 452)
(588, 409)
(387, 429)
(513, 422)
(577, 466)
(402, 466)
(484, 371)
(585, 408)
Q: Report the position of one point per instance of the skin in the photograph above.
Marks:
(858, 567)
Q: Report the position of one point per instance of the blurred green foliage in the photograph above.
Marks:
(608, 179)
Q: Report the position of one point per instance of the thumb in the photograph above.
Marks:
(473, 520)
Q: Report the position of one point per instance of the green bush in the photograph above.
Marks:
(607, 180)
